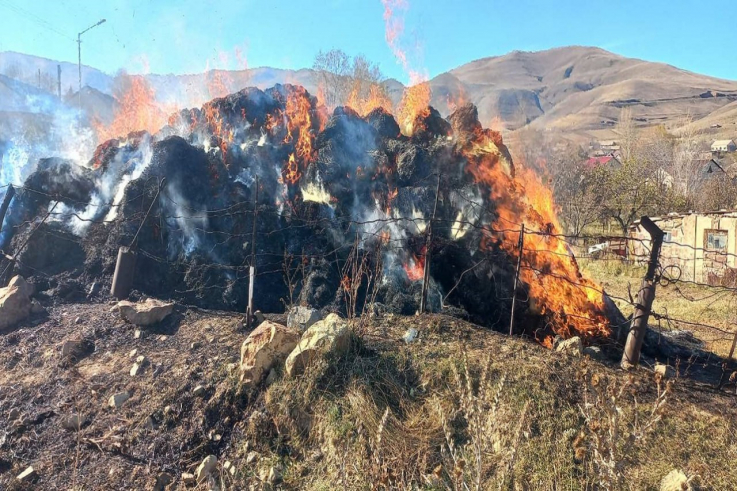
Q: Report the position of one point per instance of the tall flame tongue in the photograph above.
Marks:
(556, 287)
(299, 131)
(137, 109)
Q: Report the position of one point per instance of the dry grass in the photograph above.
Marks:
(682, 301)
(465, 408)
(459, 408)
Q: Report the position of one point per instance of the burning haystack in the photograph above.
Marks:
(343, 206)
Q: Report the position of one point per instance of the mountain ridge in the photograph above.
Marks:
(578, 89)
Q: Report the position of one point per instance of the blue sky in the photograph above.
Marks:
(186, 36)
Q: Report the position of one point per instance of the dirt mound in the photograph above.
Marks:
(403, 414)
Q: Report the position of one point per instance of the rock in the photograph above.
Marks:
(188, 479)
(301, 318)
(592, 351)
(72, 423)
(571, 346)
(14, 414)
(137, 334)
(675, 480)
(71, 347)
(133, 353)
(271, 377)
(118, 399)
(206, 467)
(27, 474)
(15, 302)
(163, 338)
(162, 481)
(78, 320)
(195, 345)
(275, 475)
(149, 423)
(229, 467)
(258, 317)
(251, 457)
(665, 371)
(136, 369)
(199, 391)
(329, 334)
(37, 308)
(410, 335)
(145, 313)
(265, 346)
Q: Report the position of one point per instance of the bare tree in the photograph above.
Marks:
(343, 79)
(628, 133)
(332, 70)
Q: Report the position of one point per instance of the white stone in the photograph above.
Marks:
(145, 313)
(27, 474)
(199, 391)
(206, 467)
(675, 480)
(571, 346)
(665, 371)
(329, 334)
(301, 318)
(118, 399)
(267, 345)
(15, 302)
(410, 335)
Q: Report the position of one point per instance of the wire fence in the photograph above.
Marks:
(694, 316)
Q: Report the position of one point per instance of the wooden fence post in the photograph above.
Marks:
(6, 203)
(252, 269)
(428, 254)
(645, 298)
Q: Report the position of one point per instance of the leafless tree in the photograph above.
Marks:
(341, 78)
(627, 133)
(332, 69)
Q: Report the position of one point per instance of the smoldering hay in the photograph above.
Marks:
(344, 211)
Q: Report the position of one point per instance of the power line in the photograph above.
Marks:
(34, 18)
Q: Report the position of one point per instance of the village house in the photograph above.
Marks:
(699, 247)
(723, 146)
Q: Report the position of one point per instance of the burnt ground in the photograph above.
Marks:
(310, 425)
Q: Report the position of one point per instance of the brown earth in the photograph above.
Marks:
(388, 413)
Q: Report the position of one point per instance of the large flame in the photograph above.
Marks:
(415, 102)
(557, 289)
(136, 109)
(376, 98)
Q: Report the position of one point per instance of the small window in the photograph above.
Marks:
(716, 240)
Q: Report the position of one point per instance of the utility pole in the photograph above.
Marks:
(79, 57)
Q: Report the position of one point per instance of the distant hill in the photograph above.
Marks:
(576, 90)
(580, 89)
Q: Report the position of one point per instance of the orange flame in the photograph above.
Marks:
(299, 130)
(375, 98)
(557, 288)
(415, 102)
(415, 268)
(136, 109)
